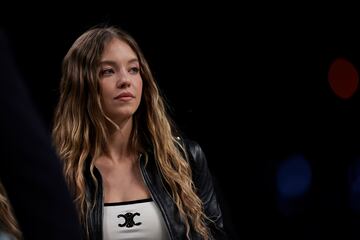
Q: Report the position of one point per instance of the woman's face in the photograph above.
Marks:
(120, 81)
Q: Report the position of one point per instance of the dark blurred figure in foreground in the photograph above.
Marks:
(29, 168)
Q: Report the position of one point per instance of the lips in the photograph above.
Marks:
(124, 95)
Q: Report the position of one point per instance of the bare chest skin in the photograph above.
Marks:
(122, 180)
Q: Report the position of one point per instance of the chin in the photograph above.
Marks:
(123, 115)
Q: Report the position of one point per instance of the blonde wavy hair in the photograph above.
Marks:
(8, 223)
(80, 127)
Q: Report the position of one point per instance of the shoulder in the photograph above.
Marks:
(194, 152)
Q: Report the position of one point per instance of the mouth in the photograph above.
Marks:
(124, 96)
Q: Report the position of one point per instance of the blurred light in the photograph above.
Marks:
(293, 182)
(343, 78)
(293, 177)
(354, 185)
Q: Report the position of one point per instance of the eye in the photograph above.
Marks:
(107, 72)
(134, 70)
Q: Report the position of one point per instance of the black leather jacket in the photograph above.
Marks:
(160, 194)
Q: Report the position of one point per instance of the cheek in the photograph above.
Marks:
(104, 98)
(105, 91)
(140, 87)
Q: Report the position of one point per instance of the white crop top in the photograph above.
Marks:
(140, 219)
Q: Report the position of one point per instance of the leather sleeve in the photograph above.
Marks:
(205, 189)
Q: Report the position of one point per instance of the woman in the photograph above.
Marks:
(130, 173)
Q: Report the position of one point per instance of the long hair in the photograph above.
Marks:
(80, 127)
(8, 222)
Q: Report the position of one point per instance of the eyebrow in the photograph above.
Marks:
(110, 62)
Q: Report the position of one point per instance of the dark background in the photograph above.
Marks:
(249, 84)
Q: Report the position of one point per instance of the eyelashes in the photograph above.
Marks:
(107, 72)
(134, 70)
(110, 71)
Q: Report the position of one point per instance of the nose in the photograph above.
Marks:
(123, 80)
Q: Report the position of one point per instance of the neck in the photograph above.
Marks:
(119, 142)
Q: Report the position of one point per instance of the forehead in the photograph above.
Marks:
(119, 49)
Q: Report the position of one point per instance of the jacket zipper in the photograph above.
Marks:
(147, 181)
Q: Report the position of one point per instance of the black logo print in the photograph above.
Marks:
(129, 219)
